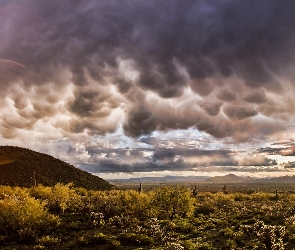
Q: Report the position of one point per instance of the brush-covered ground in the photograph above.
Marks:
(167, 217)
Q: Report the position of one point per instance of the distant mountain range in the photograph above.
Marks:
(168, 178)
(230, 178)
(24, 167)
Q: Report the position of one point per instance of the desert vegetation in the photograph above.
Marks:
(166, 217)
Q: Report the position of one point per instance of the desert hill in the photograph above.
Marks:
(230, 178)
(281, 179)
(23, 167)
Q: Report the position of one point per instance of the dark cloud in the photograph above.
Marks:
(140, 121)
(257, 97)
(202, 87)
(212, 109)
(239, 112)
(214, 48)
(10, 71)
(226, 96)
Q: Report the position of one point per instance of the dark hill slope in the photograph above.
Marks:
(19, 165)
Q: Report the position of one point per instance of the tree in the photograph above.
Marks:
(172, 201)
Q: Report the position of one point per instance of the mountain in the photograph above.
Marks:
(167, 178)
(23, 167)
(228, 179)
(280, 179)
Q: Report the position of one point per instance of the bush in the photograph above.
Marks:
(100, 239)
(189, 245)
(205, 207)
(172, 201)
(184, 225)
(121, 203)
(25, 216)
(48, 241)
(59, 198)
(133, 239)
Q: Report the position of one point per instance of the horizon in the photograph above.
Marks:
(137, 88)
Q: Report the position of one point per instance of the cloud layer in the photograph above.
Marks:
(156, 65)
(78, 69)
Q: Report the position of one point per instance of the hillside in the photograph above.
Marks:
(18, 166)
(230, 178)
(281, 179)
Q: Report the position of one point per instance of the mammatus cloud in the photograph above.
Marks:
(82, 69)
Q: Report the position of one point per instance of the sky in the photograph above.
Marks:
(151, 88)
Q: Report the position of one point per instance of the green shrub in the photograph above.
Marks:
(7, 191)
(189, 245)
(25, 216)
(205, 207)
(174, 246)
(48, 241)
(133, 239)
(172, 201)
(99, 239)
(184, 225)
(59, 198)
(120, 203)
(115, 244)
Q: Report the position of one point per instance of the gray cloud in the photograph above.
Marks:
(88, 67)
(239, 112)
(226, 96)
(173, 159)
(256, 97)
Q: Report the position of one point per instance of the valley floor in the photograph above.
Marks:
(165, 217)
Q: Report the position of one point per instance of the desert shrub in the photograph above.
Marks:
(184, 225)
(59, 198)
(25, 216)
(270, 237)
(135, 204)
(172, 201)
(189, 245)
(120, 203)
(90, 239)
(241, 197)
(99, 239)
(105, 202)
(226, 232)
(260, 196)
(115, 244)
(41, 192)
(204, 246)
(48, 241)
(6, 191)
(230, 244)
(133, 239)
(122, 222)
(168, 225)
(174, 246)
(81, 191)
(222, 200)
(206, 206)
(161, 235)
(96, 219)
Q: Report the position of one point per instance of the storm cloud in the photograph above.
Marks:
(106, 63)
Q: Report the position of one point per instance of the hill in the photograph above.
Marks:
(281, 179)
(164, 179)
(22, 167)
(230, 178)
